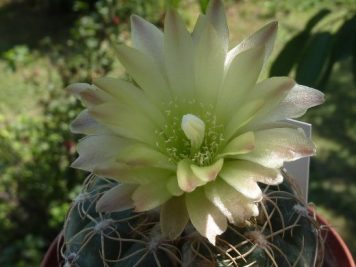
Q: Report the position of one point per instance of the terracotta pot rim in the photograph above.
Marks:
(52, 257)
(342, 249)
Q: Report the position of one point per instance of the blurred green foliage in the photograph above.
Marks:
(323, 55)
(18, 56)
(35, 180)
(305, 5)
(87, 53)
(36, 184)
(328, 38)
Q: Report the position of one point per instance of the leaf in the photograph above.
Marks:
(174, 4)
(289, 55)
(316, 19)
(344, 39)
(292, 51)
(314, 59)
(203, 5)
(343, 45)
(354, 61)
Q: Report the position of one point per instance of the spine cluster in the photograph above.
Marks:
(284, 234)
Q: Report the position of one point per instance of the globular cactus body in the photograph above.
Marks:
(284, 234)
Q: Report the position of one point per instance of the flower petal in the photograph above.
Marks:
(264, 36)
(242, 180)
(126, 93)
(272, 91)
(238, 82)
(263, 99)
(95, 150)
(254, 171)
(208, 66)
(275, 146)
(147, 38)
(87, 93)
(132, 175)
(178, 52)
(247, 112)
(275, 88)
(139, 154)
(173, 187)
(199, 27)
(205, 217)
(145, 72)
(208, 173)
(241, 144)
(187, 180)
(117, 198)
(125, 121)
(215, 14)
(235, 207)
(150, 196)
(299, 99)
(174, 217)
(84, 123)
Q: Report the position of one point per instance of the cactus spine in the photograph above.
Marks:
(284, 234)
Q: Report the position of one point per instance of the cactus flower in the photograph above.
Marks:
(194, 131)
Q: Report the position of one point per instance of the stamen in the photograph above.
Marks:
(187, 136)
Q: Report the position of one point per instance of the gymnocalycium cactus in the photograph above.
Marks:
(186, 159)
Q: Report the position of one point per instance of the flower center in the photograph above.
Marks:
(191, 132)
(194, 129)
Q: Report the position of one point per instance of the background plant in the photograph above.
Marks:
(324, 57)
(36, 149)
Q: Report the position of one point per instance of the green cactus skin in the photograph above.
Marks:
(285, 234)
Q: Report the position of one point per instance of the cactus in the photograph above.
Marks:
(284, 234)
(186, 158)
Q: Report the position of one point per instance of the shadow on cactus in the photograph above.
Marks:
(192, 154)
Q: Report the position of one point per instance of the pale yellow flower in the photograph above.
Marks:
(196, 131)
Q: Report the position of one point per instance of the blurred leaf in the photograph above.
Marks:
(292, 51)
(343, 46)
(80, 6)
(344, 39)
(354, 61)
(172, 3)
(316, 19)
(36, 147)
(289, 55)
(19, 55)
(346, 43)
(203, 5)
(314, 59)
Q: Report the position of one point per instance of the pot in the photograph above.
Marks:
(337, 254)
(53, 257)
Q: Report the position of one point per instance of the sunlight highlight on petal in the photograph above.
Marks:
(205, 217)
(275, 146)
